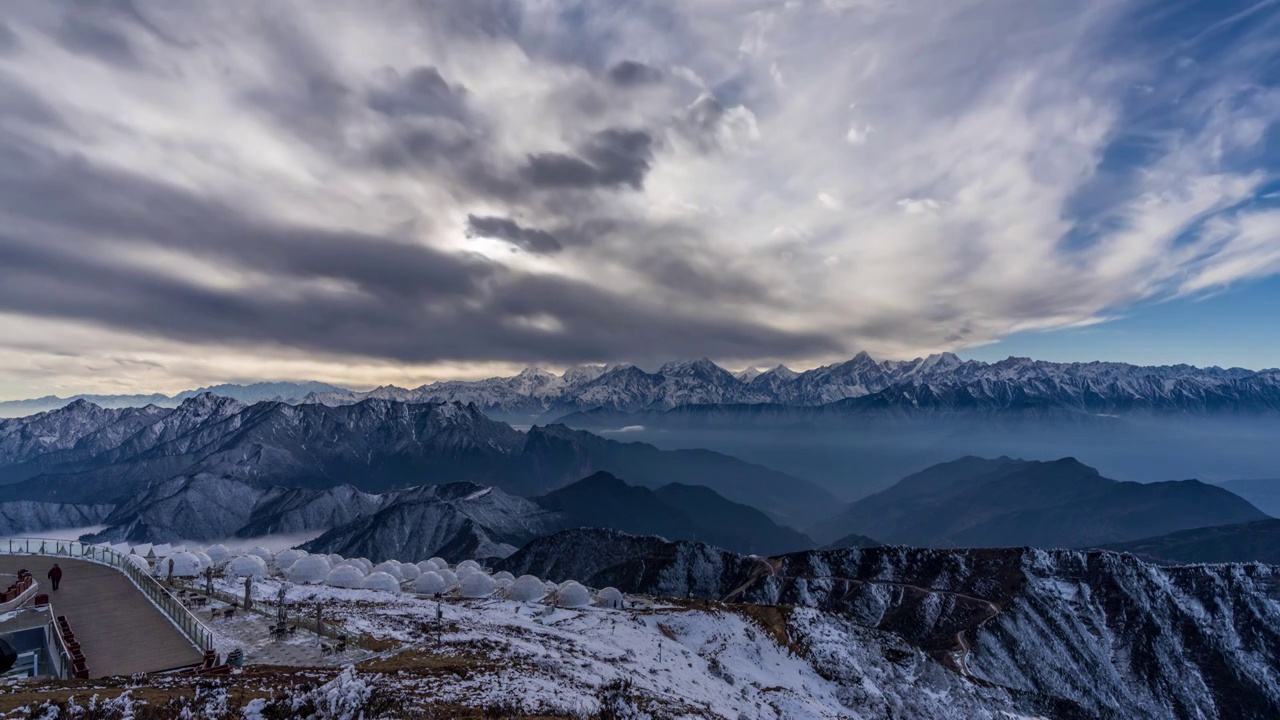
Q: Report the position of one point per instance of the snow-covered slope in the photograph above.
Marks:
(289, 392)
(24, 517)
(1067, 633)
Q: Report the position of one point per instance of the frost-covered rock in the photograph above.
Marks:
(610, 597)
(309, 569)
(476, 585)
(572, 595)
(285, 558)
(390, 567)
(381, 581)
(430, 583)
(345, 576)
(247, 566)
(527, 588)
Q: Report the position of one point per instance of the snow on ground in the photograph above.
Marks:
(670, 660)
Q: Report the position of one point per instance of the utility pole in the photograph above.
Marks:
(248, 593)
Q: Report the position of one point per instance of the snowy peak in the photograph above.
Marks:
(746, 376)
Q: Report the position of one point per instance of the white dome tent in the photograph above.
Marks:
(430, 583)
(450, 578)
(205, 560)
(309, 569)
(266, 555)
(381, 581)
(409, 571)
(247, 566)
(550, 587)
(610, 597)
(439, 562)
(185, 564)
(504, 575)
(390, 567)
(528, 588)
(139, 562)
(469, 564)
(345, 576)
(286, 558)
(363, 563)
(572, 595)
(335, 559)
(476, 585)
(357, 566)
(219, 554)
(465, 571)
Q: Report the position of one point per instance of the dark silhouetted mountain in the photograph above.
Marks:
(1067, 634)
(1263, 493)
(1246, 542)
(997, 503)
(675, 511)
(852, 540)
(556, 452)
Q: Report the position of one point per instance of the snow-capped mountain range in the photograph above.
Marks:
(941, 381)
(936, 383)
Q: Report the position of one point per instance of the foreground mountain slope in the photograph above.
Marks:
(1247, 542)
(974, 502)
(24, 517)
(455, 521)
(1070, 634)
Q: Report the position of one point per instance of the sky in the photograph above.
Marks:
(397, 192)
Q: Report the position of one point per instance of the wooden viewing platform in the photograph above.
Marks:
(119, 630)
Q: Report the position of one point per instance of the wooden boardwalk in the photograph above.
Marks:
(119, 630)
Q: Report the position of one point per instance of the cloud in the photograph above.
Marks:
(298, 182)
(630, 73)
(533, 240)
(612, 157)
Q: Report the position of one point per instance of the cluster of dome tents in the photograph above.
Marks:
(430, 577)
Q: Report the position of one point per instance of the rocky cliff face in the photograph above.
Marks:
(1065, 633)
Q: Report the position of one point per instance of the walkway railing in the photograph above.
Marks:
(196, 631)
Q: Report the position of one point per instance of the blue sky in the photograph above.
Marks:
(403, 191)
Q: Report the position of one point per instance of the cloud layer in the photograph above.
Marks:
(396, 190)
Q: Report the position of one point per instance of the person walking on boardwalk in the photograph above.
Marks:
(55, 575)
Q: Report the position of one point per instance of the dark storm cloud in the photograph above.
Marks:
(421, 92)
(402, 300)
(531, 239)
(630, 73)
(611, 158)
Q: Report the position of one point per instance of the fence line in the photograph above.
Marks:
(186, 621)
